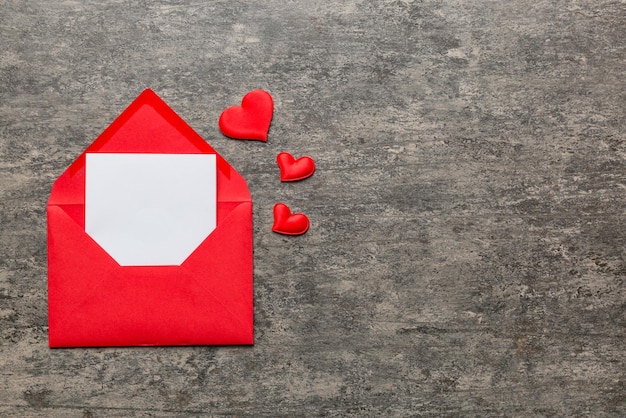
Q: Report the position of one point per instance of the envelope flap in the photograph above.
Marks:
(229, 277)
(148, 125)
(64, 235)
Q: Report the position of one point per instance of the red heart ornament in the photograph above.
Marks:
(292, 169)
(287, 223)
(251, 120)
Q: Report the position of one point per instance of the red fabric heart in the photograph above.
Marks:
(287, 223)
(292, 169)
(251, 120)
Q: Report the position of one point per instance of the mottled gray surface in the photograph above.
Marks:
(467, 249)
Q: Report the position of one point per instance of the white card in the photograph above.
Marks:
(150, 209)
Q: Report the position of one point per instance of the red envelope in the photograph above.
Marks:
(94, 301)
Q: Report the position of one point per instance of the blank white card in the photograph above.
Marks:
(150, 209)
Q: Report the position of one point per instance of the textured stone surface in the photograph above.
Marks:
(467, 248)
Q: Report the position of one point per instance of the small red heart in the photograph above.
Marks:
(251, 120)
(287, 223)
(292, 169)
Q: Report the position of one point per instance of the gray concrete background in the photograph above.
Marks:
(467, 249)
